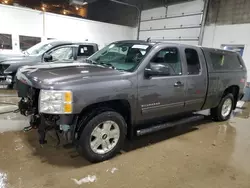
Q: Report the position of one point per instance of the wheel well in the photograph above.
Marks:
(235, 91)
(120, 106)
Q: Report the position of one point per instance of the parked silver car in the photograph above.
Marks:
(51, 51)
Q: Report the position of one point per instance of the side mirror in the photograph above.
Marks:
(156, 69)
(47, 57)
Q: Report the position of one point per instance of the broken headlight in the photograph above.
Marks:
(55, 102)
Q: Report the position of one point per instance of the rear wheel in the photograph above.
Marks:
(223, 111)
(102, 137)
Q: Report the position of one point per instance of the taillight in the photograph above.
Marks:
(243, 80)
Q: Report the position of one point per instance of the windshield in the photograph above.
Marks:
(39, 48)
(121, 56)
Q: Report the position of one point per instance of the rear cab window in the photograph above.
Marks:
(85, 50)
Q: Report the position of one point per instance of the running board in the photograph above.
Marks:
(168, 125)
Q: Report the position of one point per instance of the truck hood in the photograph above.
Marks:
(48, 75)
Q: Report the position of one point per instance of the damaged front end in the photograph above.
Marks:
(32, 106)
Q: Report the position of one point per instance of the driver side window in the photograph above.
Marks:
(170, 58)
(62, 54)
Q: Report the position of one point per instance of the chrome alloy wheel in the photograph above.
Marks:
(226, 107)
(104, 137)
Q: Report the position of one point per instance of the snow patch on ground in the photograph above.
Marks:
(88, 179)
(19, 145)
(3, 180)
(12, 125)
(112, 170)
(18, 140)
(240, 104)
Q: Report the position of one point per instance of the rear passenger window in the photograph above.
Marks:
(85, 50)
(229, 61)
(193, 63)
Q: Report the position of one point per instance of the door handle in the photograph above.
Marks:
(178, 84)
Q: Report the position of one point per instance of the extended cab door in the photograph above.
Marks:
(161, 95)
(195, 73)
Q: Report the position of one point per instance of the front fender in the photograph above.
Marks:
(103, 91)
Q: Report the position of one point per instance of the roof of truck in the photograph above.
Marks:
(138, 42)
(61, 42)
(153, 43)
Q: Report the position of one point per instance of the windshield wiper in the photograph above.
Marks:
(108, 65)
(101, 63)
(91, 61)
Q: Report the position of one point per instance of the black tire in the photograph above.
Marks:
(83, 145)
(216, 112)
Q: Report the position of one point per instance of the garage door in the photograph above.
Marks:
(174, 23)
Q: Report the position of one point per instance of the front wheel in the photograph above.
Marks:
(223, 111)
(102, 137)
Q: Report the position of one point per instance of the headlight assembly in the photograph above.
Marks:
(55, 102)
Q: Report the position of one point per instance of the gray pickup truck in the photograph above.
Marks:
(129, 88)
(51, 51)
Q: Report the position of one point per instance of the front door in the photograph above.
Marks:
(162, 95)
(62, 54)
